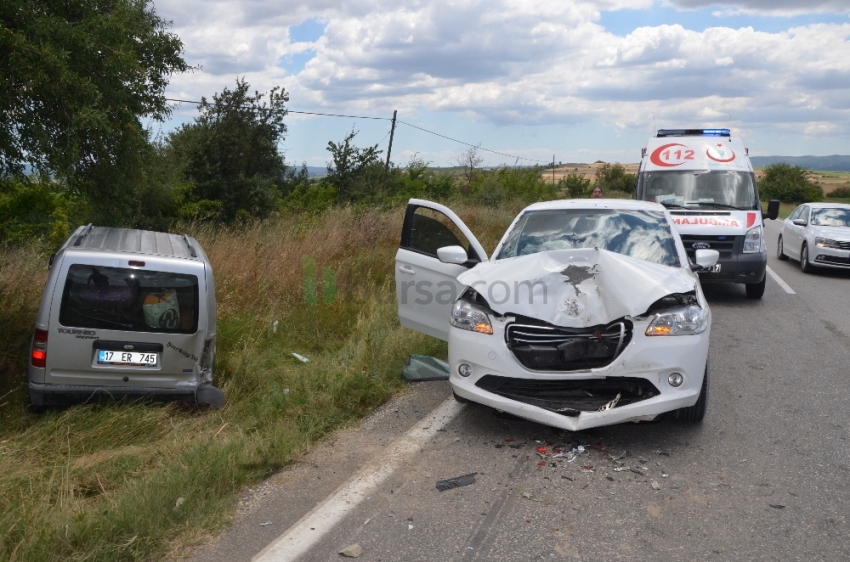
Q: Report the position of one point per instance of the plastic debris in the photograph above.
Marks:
(541, 450)
(587, 468)
(526, 495)
(456, 482)
(179, 502)
(610, 405)
(266, 524)
(618, 456)
(664, 475)
(622, 469)
(660, 452)
(776, 505)
(274, 326)
(286, 391)
(409, 527)
(300, 358)
(424, 368)
(391, 514)
(655, 485)
(353, 551)
(367, 522)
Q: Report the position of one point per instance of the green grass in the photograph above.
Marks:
(143, 481)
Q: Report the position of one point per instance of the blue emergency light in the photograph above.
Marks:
(693, 133)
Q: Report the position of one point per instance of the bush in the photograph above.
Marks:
(789, 184)
(613, 177)
(37, 208)
(575, 185)
(840, 193)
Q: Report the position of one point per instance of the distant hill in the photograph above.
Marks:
(834, 163)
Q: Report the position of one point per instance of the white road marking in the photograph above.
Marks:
(299, 538)
(782, 283)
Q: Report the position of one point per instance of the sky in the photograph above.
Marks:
(573, 80)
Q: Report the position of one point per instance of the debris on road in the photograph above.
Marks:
(456, 482)
(352, 551)
(776, 505)
(266, 524)
(655, 485)
(424, 368)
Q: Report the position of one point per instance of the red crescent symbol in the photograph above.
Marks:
(655, 157)
(707, 153)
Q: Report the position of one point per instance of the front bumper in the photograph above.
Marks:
(650, 358)
(830, 257)
(740, 268)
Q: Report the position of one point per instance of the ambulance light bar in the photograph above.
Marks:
(693, 133)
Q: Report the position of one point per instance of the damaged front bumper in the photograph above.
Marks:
(633, 387)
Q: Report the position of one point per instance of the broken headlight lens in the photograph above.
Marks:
(468, 316)
(679, 322)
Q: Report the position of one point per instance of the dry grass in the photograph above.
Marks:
(105, 482)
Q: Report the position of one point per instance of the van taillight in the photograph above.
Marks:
(39, 349)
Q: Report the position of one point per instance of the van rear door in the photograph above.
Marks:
(127, 324)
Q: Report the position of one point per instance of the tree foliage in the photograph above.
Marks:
(789, 184)
(77, 76)
(356, 172)
(613, 177)
(575, 185)
(230, 152)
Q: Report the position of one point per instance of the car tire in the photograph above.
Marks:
(460, 399)
(805, 266)
(696, 413)
(780, 253)
(756, 290)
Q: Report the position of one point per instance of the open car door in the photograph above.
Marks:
(426, 287)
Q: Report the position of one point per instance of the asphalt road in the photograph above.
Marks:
(766, 476)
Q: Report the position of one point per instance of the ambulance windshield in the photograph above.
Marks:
(699, 189)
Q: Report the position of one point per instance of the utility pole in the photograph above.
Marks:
(390, 147)
(553, 169)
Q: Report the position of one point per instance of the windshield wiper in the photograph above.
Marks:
(714, 205)
(670, 205)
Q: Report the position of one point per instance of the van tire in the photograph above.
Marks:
(805, 266)
(780, 250)
(696, 413)
(756, 290)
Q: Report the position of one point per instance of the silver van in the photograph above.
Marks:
(125, 313)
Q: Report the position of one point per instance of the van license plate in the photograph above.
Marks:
(127, 358)
(713, 269)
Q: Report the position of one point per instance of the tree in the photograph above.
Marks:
(230, 152)
(468, 161)
(77, 77)
(789, 184)
(355, 172)
(575, 184)
(613, 177)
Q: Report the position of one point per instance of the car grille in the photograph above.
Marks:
(842, 245)
(723, 244)
(835, 260)
(542, 347)
(571, 397)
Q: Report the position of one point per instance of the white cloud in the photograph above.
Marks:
(523, 62)
(771, 7)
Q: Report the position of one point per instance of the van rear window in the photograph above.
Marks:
(113, 298)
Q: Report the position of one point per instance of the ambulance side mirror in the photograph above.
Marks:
(772, 210)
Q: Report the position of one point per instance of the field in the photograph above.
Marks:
(143, 481)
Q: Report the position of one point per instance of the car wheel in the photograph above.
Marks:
(756, 290)
(696, 413)
(805, 266)
(780, 250)
(460, 399)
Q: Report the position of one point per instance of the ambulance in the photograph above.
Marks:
(705, 179)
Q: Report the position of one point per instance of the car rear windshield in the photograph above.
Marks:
(717, 189)
(644, 235)
(831, 217)
(113, 298)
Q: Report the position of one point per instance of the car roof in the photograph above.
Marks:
(616, 204)
(828, 205)
(133, 241)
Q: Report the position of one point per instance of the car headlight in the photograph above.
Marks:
(826, 243)
(753, 240)
(680, 322)
(468, 316)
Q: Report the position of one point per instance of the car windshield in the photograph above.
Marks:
(718, 189)
(831, 217)
(644, 235)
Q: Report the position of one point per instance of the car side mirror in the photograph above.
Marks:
(452, 254)
(800, 222)
(705, 259)
(772, 210)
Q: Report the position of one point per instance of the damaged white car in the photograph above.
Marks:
(587, 314)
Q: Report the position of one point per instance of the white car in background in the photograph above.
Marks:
(817, 234)
(588, 313)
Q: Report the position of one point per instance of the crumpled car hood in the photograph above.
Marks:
(575, 288)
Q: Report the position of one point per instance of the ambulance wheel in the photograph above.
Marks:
(756, 290)
(696, 413)
(805, 266)
(780, 250)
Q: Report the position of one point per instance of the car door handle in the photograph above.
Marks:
(407, 269)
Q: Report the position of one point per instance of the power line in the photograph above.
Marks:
(473, 145)
(306, 112)
(400, 121)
